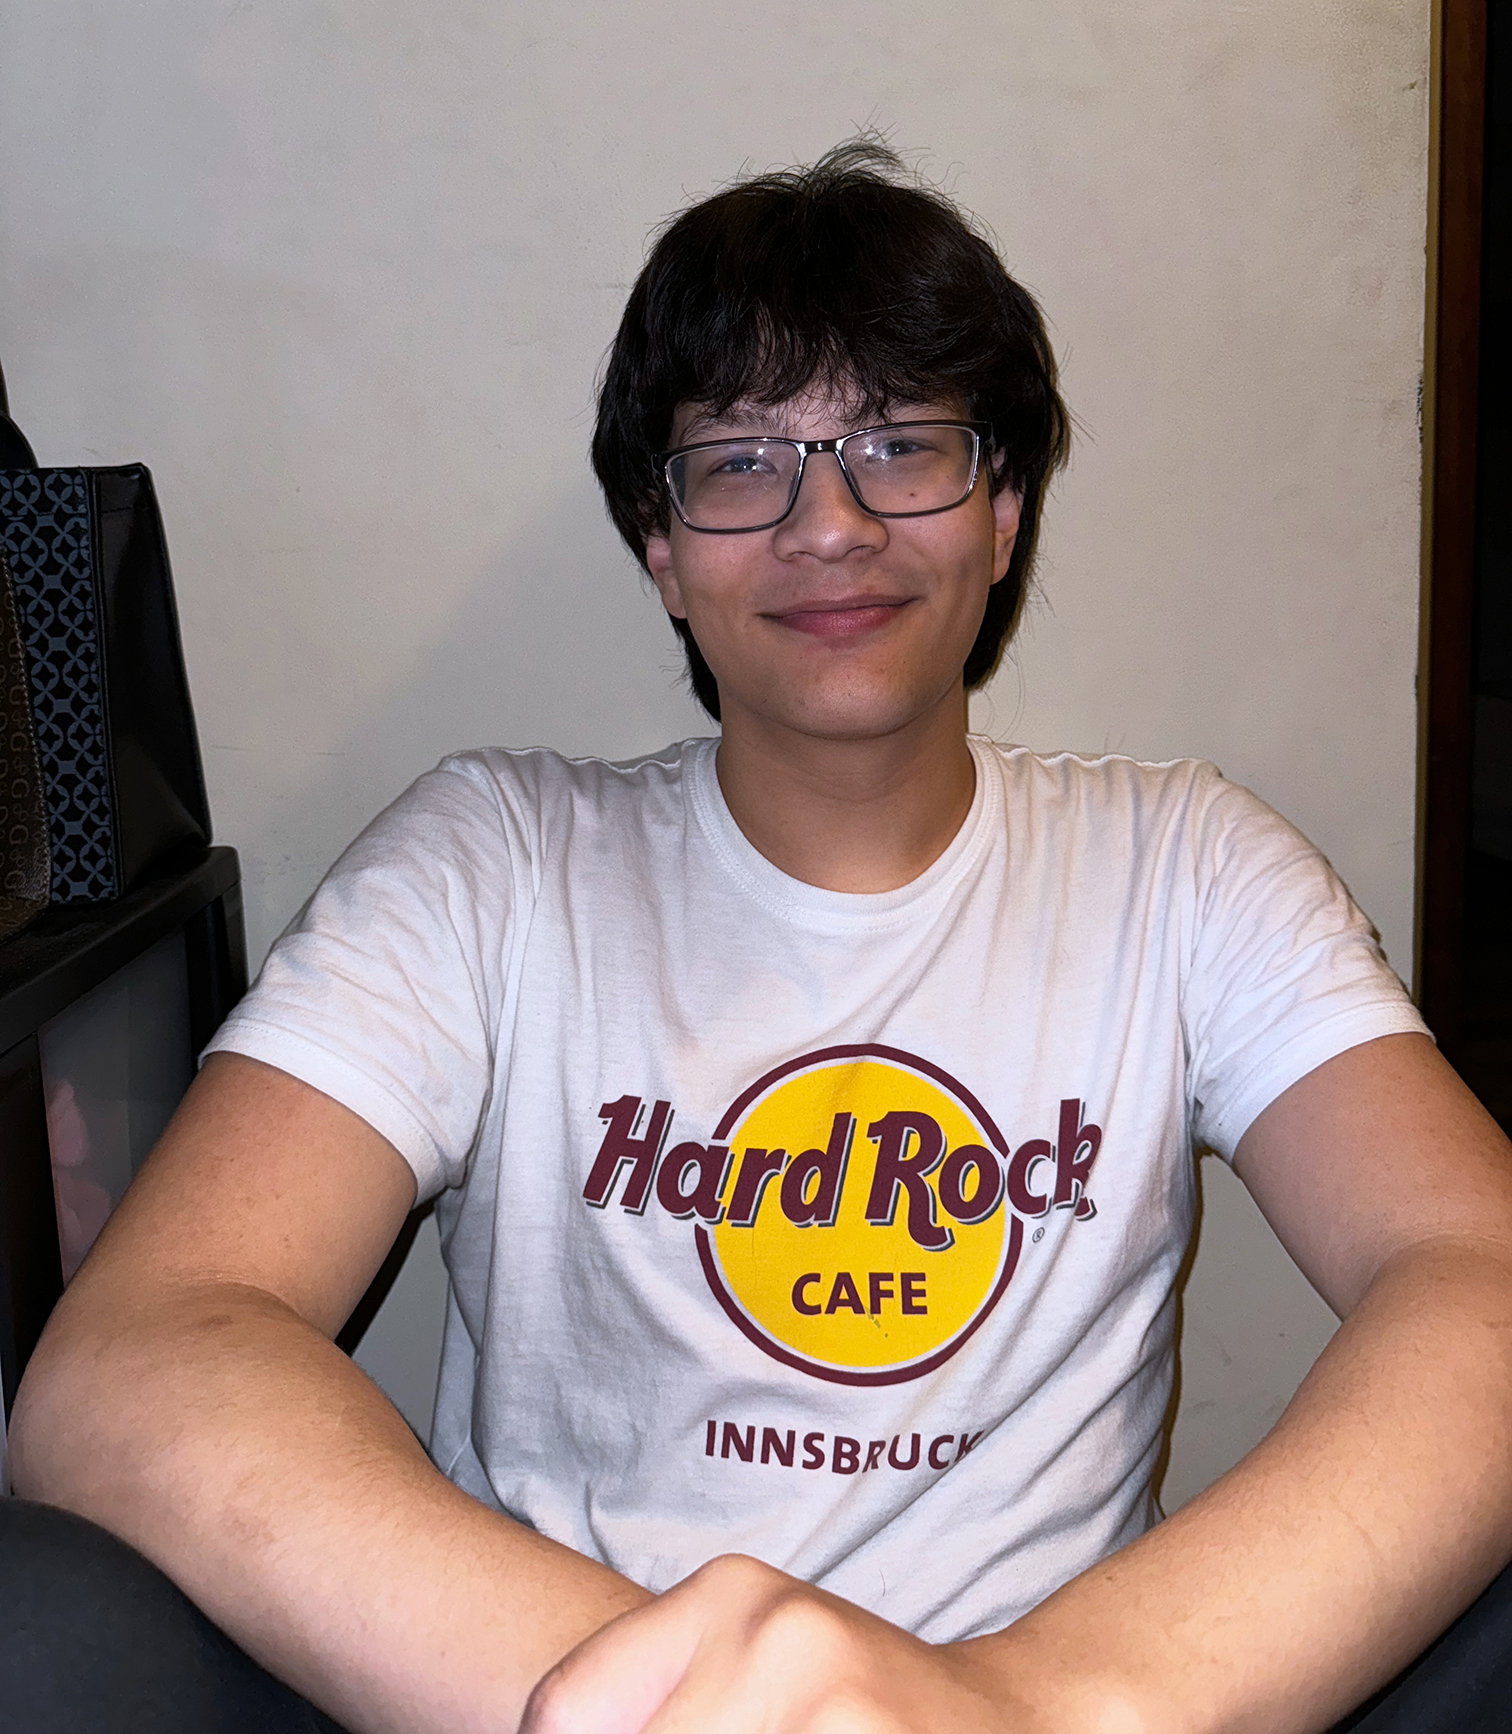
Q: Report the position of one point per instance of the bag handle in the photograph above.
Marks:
(15, 451)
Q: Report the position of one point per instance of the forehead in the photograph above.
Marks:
(819, 414)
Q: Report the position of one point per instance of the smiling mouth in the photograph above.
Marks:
(841, 619)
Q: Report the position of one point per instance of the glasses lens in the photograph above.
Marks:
(912, 466)
(735, 485)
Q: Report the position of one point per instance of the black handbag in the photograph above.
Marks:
(100, 774)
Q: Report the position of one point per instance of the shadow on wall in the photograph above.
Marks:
(1240, 1361)
(378, 1290)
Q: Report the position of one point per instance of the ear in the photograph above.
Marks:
(1006, 507)
(659, 565)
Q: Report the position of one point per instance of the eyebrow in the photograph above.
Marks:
(739, 419)
(756, 420)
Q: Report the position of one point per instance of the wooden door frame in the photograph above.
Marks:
(1450, 404)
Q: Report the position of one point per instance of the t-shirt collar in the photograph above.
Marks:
(814, 907)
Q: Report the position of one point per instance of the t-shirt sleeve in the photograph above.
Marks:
(1285, 970)
(384, 991)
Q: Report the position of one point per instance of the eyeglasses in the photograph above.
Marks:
(903, 469)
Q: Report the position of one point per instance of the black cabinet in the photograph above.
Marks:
(103, 1011)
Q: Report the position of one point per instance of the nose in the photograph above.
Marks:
(827, 521)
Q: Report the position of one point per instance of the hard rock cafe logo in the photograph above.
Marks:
(857, 1213)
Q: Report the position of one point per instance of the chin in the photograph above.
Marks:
(852, 716)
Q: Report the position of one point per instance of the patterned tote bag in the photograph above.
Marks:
(100, 778)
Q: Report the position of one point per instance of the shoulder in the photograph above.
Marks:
(1144, 792)
(1114, 824)
(1097, 774)
(1108, 796)
(478, 825)
(488, 795)
(536, 778)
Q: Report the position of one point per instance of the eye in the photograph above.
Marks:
(902, 448)
(740, 463)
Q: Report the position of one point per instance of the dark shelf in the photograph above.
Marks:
(67, 952)
(48, 968)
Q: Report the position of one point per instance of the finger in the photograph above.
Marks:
(804, 1662)
(617, 1680)
(770, 1675)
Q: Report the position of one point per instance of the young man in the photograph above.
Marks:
(810, 1116)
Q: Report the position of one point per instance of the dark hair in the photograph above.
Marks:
(845, 276)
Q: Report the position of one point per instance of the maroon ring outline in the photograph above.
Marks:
(859, 1051)
(768, 1345)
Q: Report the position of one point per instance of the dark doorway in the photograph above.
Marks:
(1486, 1028)
(1467, 856)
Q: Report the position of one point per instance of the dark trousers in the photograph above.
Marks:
(95, 1640)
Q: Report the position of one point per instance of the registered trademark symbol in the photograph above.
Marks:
(1039, 1234)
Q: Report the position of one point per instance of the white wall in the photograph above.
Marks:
(342, 270)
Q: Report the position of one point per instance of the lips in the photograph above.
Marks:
(848, 618)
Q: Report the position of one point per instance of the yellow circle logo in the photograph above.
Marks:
(864, 1234)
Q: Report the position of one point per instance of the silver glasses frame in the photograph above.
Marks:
(979, 431)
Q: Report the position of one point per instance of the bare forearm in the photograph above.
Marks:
(1376, 1509)
(236, 1447)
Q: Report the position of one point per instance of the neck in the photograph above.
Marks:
(850, 815)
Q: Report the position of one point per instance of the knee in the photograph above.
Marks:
(94, 1636)
(63, 1577)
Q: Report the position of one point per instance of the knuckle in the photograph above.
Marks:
(850, 1711)
(551, 1707)
(738, 1576)
(798, 1625)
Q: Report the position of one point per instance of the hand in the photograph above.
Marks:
(82, 1202)
(741, 1648)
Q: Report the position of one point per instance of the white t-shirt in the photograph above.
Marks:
(836, 1229)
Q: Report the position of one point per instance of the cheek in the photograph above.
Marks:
(709, 579)
(962, 556)
(690, 574)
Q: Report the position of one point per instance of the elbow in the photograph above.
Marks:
(83, 1412)
(51, 1426)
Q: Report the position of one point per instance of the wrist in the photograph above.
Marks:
(1033, 1687)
